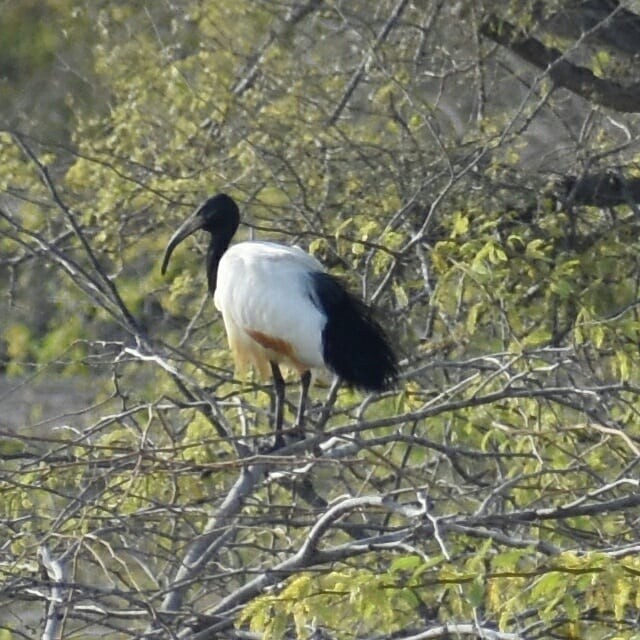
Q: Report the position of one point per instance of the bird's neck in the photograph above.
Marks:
(216, 250)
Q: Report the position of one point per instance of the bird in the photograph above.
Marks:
(280, 307)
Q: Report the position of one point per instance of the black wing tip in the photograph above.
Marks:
(375, 368)
(378, 372)
(355, 346)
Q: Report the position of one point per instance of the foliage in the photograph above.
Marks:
(445, 173)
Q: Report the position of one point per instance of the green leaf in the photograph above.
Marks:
(405, 563)
(476, 591)
(621, 597)
(547, 585)
(460, 224)
(535, 250)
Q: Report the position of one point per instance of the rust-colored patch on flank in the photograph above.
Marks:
(269, 342)
(278, 345)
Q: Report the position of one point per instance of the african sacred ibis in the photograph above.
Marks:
(280, 307)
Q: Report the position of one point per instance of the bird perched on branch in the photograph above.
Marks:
(280, 307)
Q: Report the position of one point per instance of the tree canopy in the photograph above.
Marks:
(471, 170)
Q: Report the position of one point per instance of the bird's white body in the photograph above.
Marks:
(266, 299)
(280, 308)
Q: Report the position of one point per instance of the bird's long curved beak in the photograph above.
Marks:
(189, 226)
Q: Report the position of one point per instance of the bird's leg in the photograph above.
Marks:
(305, 380)
(278, 383)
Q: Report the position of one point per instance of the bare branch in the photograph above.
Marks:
(217, 530)
(366, 61)
(553, 62)
(56, 570)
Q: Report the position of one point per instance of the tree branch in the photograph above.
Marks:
(360, 71)
(109, 286)
(294, 16)
(307, 555)
(56, 571)
(213, 536)
(607, 21)
(455, 630)
(575, 78)
(606, 189)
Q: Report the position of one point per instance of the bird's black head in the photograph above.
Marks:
(218, 215)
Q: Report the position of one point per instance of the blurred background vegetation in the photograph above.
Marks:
(471, 169)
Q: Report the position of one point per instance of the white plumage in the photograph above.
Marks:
(265, 297)
(280, 308)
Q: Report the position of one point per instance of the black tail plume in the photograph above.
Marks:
(354, 345)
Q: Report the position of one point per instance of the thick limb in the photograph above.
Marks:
(305, 380)
(278, 384)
